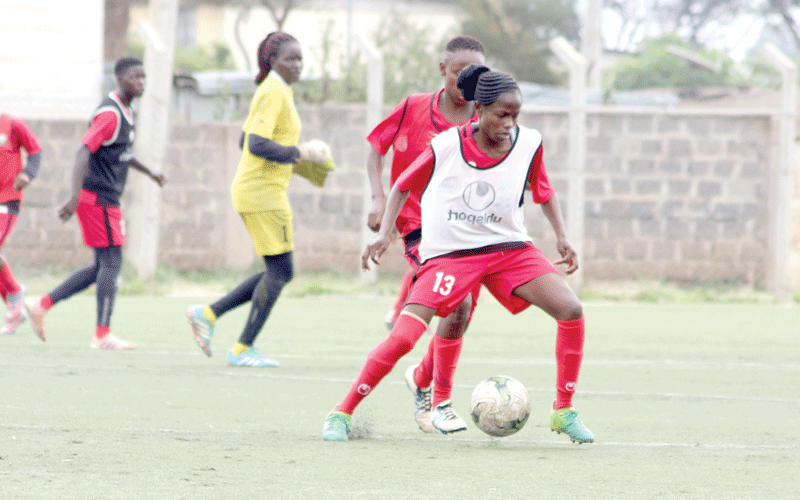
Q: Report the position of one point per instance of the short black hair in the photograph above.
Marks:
(124, 63)
(464, 42)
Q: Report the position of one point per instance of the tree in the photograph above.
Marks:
(656, 66)
(517, 33)
(699, 22)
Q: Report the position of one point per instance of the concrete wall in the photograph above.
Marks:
(674, 195)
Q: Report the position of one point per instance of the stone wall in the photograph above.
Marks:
(674, 195)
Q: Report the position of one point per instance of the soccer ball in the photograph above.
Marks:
(500, 406)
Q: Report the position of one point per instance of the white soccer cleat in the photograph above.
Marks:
(445, 420)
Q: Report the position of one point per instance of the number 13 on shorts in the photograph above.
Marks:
(443, 284)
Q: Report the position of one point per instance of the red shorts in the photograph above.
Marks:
(102, 226)
(443, 282)
(412, 241)
(7, 222)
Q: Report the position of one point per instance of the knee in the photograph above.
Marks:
(570, 311)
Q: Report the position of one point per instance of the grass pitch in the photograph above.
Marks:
(685, 401)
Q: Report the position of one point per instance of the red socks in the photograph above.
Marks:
(102, 331)
(423, 375)
(46, 302)
(8, 285)
(569, 354)
(444, 367)
(405, 334)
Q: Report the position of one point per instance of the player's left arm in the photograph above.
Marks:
(544, 194)
(158, 177)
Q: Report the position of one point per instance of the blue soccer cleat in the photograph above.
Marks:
(202, 328)
(337, 426)
(250, 357)
(566, 420)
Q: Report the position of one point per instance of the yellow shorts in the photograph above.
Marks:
(271, 231)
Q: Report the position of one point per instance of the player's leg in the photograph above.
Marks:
(410, 326)
(272, 236)
(266, 292)
(552, 294)
(402, 294)
(109, 261)
(12, 292)
(76, 282)
(14, 295)
(438, 363)
(202, 318)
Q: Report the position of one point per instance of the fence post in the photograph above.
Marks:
(374, 113)
(783, 180)
(577, 66)
(152, 131)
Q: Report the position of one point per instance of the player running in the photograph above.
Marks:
(471, 183)
(15, 135)
(98, 180)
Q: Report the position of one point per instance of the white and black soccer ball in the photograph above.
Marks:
(500, 406)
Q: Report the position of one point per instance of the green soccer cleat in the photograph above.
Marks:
(566, 420)
(337, 426)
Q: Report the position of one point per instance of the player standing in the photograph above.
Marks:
(98, 180)
(270, 149)
(471, 183)
(407, 131)
(14, 136)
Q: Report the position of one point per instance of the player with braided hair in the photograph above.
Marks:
(471, 182)
(407, 131)
(270, 150)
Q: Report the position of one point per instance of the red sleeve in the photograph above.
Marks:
(383, 134)
(539, 184)
(103, 128)
(23, 136)
(417, 175)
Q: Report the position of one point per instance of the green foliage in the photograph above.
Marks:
(351, 87)
(409, 66)
(190, 59)
(516, 34)
(655, 67)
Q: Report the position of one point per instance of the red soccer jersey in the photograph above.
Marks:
(14, 134)
(408, 130)
(416, 176)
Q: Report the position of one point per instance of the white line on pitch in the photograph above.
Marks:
(376, 437)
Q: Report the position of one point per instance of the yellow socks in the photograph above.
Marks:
(239, 348)
(209, 314)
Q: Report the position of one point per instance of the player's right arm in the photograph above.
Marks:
(381, 139)
(413, 179)
(375, 174)
(103, 128)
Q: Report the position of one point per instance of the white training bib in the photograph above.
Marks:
(464, 207)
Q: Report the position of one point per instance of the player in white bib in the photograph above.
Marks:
(471, 182)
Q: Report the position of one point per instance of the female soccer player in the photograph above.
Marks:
(407, 131)
(14, 136)
(269, 151)
(99, 175)
(471, 183)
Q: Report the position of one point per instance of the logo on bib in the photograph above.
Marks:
(479, 195)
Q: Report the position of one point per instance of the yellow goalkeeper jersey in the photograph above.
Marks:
(260, 185)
